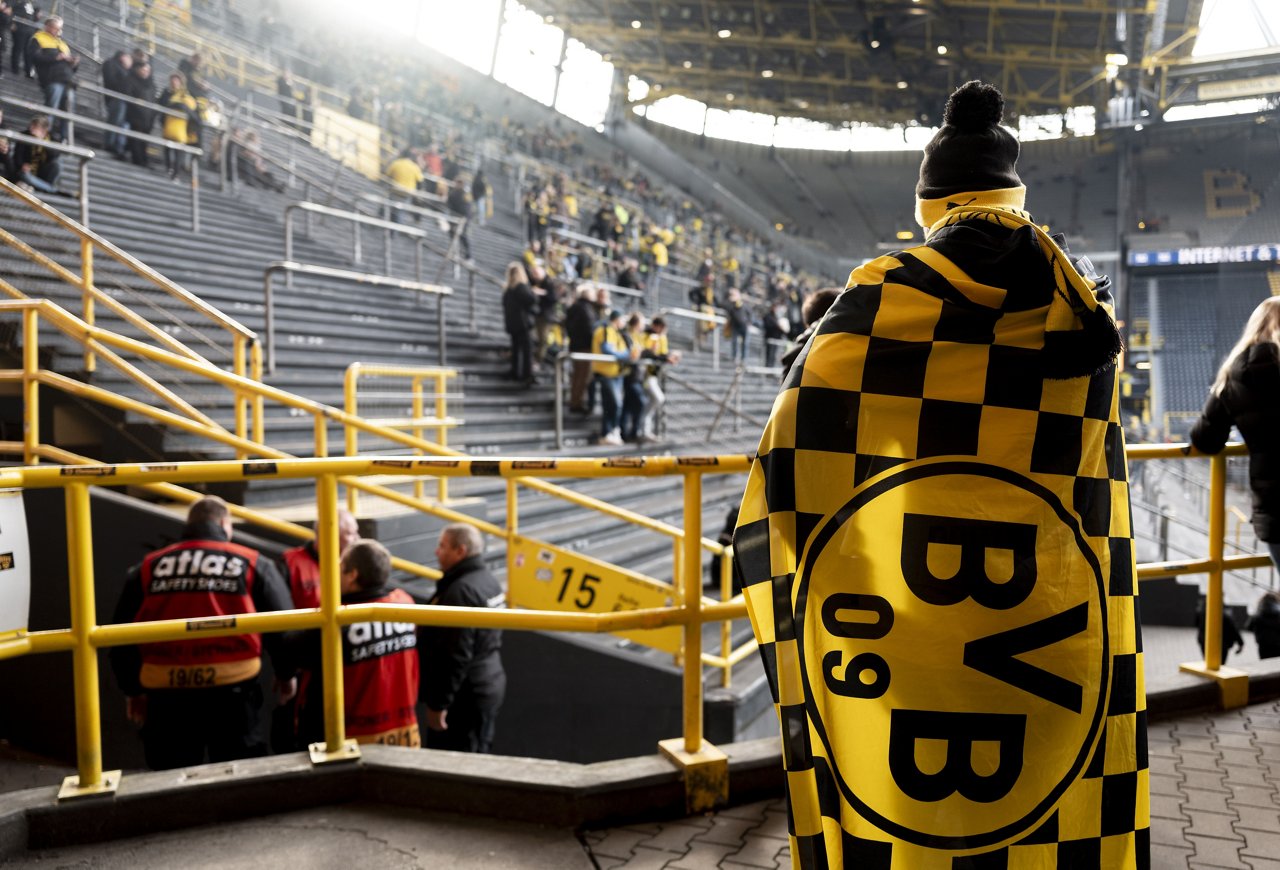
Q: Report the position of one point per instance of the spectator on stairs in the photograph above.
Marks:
(405, 174)
(193, 72)
(482, 198)
(607, 340)
(178, 128)
(659, 353)
(6, 150)
(459, 204)
(56, 71)
(115, 77)
(579, 323)
(24, 13)
(139, 115)
(518, 305)
(6, 24)
(34, 165)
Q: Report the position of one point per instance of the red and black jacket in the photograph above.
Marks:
(380, 676)
(302, 565)
(203, 574)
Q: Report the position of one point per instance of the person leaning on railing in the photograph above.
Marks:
(1246, 394)
(200, 696)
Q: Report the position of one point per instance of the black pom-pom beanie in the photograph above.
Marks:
(971, 151)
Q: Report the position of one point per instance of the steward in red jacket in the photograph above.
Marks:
(301, 567)
(199, 696)
(380, 660)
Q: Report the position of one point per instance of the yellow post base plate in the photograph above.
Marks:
(350, 751)
(706, 774)
(71, 788)
(1233, 684)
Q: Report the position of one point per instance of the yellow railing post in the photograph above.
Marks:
(416, 414)
(692, 559)
(336, 747)
(322, 434)
(706, 768)
(513, 523)
(442, 432)
(1233, 684)
(351, 434)
(86, 289)
(238, 363)
(726, 627)
(90, 779)
(30, 386)
(255, 372)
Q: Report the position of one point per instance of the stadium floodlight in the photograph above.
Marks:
(1117, 59)
(688, 64)
(902, 86)
(636, 24)
(942, 49)
(725, 34)
(766, 73)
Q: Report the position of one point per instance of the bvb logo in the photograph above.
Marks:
(953, 636)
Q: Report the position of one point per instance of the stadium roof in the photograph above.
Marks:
(877, 61)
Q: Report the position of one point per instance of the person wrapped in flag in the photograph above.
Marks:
(936, 552)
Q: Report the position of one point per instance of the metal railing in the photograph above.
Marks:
(245, 351)
(418, 419)
(85, 637)
(699, 318)
(268, 280)
(358, 220)
(96, 124)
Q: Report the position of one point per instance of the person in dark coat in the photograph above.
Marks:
(115, 77)
(140, 117)
(459, 204)
(518, 305)
(579, 323)
(1265, 625)
(1246, 394)
(463, 679)
(56, 70)
(24, 16)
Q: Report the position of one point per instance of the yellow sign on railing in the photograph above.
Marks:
(546, 577)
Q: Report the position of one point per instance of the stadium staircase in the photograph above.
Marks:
(323, 325)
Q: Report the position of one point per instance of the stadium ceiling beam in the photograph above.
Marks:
(1105, 7)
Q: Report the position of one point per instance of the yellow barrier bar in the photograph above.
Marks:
(133, 633)
(86, 285)
(330, 600)
(692, 605)
(83, 617)
(30, 385)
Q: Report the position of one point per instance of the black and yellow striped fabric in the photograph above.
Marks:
(937, 557)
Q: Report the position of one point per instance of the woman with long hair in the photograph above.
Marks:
(1246, 394)
(518, 305)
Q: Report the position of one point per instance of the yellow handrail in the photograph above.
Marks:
(244, 341)
(441, 422)
(85, 637)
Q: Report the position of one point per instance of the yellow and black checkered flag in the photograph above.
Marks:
(936, 552)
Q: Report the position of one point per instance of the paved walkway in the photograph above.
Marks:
(1215, 802)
